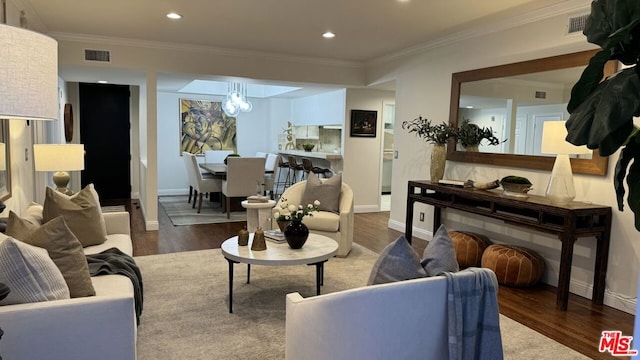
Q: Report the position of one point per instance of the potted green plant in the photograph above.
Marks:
(471, 135)
(438, 135)
(602, 111)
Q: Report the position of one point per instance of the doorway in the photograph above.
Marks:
(105, 133)
(388, 119)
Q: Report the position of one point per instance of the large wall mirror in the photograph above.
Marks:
(514, 100)
(5, 163)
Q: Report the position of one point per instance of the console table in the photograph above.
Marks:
(569, 222)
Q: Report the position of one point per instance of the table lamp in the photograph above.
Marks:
(560, 189)
(59, 158)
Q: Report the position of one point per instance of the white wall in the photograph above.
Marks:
(321, 109)
(423, 82)
(363, 155)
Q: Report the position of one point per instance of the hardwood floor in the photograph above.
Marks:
(579, 328)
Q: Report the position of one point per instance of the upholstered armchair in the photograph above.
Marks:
(339, 226)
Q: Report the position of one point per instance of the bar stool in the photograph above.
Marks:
(282, 167)
(308, 166)
(295, 167)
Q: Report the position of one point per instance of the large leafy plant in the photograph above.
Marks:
(602, 111)
(436, 134)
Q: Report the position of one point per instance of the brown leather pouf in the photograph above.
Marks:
(514, 265)
(469, 247)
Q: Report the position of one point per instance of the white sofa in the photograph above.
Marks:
(399, 320)
(101, 327)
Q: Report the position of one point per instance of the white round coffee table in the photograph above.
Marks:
(316, 251)
(258, 213)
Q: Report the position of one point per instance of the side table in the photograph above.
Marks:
(258, 213)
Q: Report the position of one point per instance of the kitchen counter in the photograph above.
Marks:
(312, 154)
(330, 160)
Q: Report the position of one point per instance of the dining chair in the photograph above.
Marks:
(191, 178)
(270, 167)
(261, 154)
(244, 174)
(216, 156)
(202, 185)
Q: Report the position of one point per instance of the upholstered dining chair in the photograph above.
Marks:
(201, 185)
(243, 176)
(270, 168)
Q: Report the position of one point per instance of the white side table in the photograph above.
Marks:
(258, 214)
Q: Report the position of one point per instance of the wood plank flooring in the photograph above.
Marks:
(579, 328)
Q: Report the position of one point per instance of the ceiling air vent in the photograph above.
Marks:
(97, 55)
(541, 95)
(577, 23)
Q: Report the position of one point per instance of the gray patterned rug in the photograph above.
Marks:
(185, 308)
(180, 212)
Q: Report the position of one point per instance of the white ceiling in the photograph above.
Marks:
(365, 30)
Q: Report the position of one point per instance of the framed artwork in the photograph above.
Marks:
(363, 123)
(204, 126)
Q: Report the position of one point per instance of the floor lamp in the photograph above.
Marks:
(59, 158)
(560, 189)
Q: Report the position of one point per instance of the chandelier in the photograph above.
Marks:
(236, 100)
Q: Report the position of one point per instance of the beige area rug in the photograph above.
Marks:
(186, 316)
(180, 212)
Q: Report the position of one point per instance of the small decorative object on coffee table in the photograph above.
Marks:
(296, 232)
(258, 243)
(243, 237)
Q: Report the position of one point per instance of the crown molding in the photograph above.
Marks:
(160, 45)
(565, 8)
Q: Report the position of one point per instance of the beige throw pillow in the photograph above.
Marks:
(63, 247)
(327, 192)
(81, 212)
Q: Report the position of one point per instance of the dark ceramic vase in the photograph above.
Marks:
(296, 234)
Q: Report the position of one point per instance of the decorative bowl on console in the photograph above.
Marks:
(515, 186)
(308, 147)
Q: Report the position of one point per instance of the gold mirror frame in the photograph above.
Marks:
(5, 186)
(597, 165)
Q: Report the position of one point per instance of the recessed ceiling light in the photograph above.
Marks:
(174, 16)
(328, 35)
(102, 81)
(469, 107)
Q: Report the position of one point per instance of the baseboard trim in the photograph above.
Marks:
(416, 232)
(365, 209)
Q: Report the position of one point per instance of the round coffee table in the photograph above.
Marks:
(316, 251)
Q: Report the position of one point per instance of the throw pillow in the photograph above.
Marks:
(81, 212)
(397, 261)
(327, 192)
(30, 274)
(63, 247)
(440, 255)
(33, 214)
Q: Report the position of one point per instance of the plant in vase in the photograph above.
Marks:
(438, 135)
(296, 233)
(471, 135)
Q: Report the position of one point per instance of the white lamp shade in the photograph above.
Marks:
(58, 157)
(554, 134)
(3, 157)
(28, 75)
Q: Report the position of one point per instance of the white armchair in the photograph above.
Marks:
(339, 227)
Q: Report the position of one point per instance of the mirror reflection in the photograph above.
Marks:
(5, 165)
(514, 101)
(515, 107)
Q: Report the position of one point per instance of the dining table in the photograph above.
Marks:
(220, 169)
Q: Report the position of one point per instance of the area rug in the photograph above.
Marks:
(186, 316)
(180, 212)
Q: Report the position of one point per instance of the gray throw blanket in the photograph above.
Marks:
(115, 262)
(474, 322)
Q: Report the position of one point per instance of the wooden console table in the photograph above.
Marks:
(569, 222)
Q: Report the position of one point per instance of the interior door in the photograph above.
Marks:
(105, 133)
